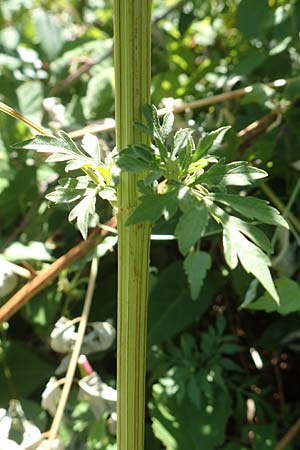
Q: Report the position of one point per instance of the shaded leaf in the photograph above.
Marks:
(170, 306)
(196, 265)
(153, 206)
(289, 298)
(191, 226)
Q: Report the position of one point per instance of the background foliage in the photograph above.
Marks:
(205, 386)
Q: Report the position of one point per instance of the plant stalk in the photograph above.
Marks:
(132, 22)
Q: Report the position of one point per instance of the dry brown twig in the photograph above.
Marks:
(178, 107)
(37, 284)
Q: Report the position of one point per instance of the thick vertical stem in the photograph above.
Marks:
(132, 21)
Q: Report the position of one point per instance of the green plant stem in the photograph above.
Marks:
(132, 21)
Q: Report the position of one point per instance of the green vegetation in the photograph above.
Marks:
(205, 172)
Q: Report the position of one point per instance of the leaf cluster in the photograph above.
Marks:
(189, 177)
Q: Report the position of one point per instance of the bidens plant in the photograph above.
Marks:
(189, 177)
(180, 175)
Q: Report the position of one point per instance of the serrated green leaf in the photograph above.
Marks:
(196, 264)
(144, 129)
(51, 144)
(252, 207)
(237, 173)
(69, 143)
(153, 206)
(137, 158)
(253, 260)
(167, 125)
(81, 182)
(210, 142)
(289, 298)
(256, 235)
(180, 140)
(63, 195)
(191, 226)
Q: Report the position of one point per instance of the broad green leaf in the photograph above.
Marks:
(251, 207)
(202, 427)
(50, 34)
(170, 307)
(191, 226)
(30, 99)
(210, 142)
(98, 102)
(153, 206)
(289, 298)
(196, 265)
(252, 17)
(82, 212)
(237, 173)
(29, 370)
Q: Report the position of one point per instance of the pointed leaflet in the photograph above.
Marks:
(251, 207)
(50, 144)
(196, 264)
(152, 206)
(255, 234)
(167, 125)
(90, 144)
(229, 248)
(180, 140)
(137, 158)
(252, 259)
(210, 142)
(63, 195)
(237, 173)
(289, 295)
(191, 227)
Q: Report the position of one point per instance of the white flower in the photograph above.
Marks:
(51, 396)
(100, 396)
(63, 336)
(15, 418)
(90, 390)
(99, 339)
(8, 279)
